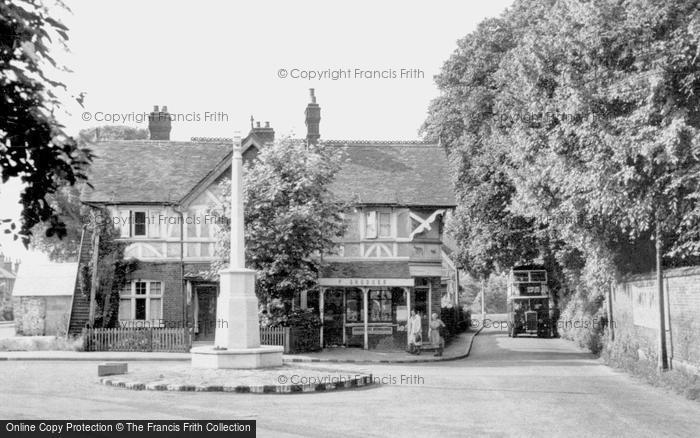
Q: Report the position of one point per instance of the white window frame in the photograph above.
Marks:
(148, 296)
(371, 231)
(379, 225)
(372, 224)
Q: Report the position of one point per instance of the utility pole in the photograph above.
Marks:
(663, 358)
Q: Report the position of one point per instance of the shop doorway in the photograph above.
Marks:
(333, 318)
(420, 305)
(205, 312)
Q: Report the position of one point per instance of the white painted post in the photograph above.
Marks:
(365, 310)
(408, 309)
(322, 293)
(343, 313)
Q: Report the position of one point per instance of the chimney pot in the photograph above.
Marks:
(267, 124)
(159, 124)
(257, 124)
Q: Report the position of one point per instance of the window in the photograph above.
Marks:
(520, 276)
(139, 223)
(380, 306)
(141, 300)
(353, 306)
(384, 224)
(371, 225)
(377, 224)
(538, 276)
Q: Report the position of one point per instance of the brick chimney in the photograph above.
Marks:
(7, 264)
(313, 119)
(159, 124)
(264, 133)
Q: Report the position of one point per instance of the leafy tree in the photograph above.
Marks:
(66, 200)
(33, 145)
(290, 217)
(575, 121)
(578, 121)
(496, 291)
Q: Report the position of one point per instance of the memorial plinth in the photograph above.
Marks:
(237, 336)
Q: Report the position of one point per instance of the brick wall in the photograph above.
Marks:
(170, 275)
(42, 316)
(30, 313)
(635, 313)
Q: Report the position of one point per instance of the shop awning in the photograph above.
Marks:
(366, 273)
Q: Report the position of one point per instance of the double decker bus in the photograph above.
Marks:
(530, 302)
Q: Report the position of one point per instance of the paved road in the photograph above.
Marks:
(507, 387)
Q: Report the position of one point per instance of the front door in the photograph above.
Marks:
(333, 318)
(206, 312)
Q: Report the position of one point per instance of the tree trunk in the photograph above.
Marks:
(611, 326)
(95, 280)
(663, 359)
(483, 306)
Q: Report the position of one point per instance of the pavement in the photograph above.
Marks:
(7, 329)
(458, 348)
(506, 387)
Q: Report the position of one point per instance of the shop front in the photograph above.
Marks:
(371, 311)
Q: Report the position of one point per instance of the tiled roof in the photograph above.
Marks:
(409, 173)
(142, 171)
(361, 269)
(51, 279)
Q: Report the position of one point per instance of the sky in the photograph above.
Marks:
(217, 63)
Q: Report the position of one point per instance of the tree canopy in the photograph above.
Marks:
(33, 144)
(573, 129)
(66, 200)
(291, 217)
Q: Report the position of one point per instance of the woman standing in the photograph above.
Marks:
(414, 333)
(436, 326)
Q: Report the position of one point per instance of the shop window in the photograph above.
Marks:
(380, 306)
(353, 306)
(312, 300)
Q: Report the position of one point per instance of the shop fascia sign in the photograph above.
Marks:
(366, 282)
